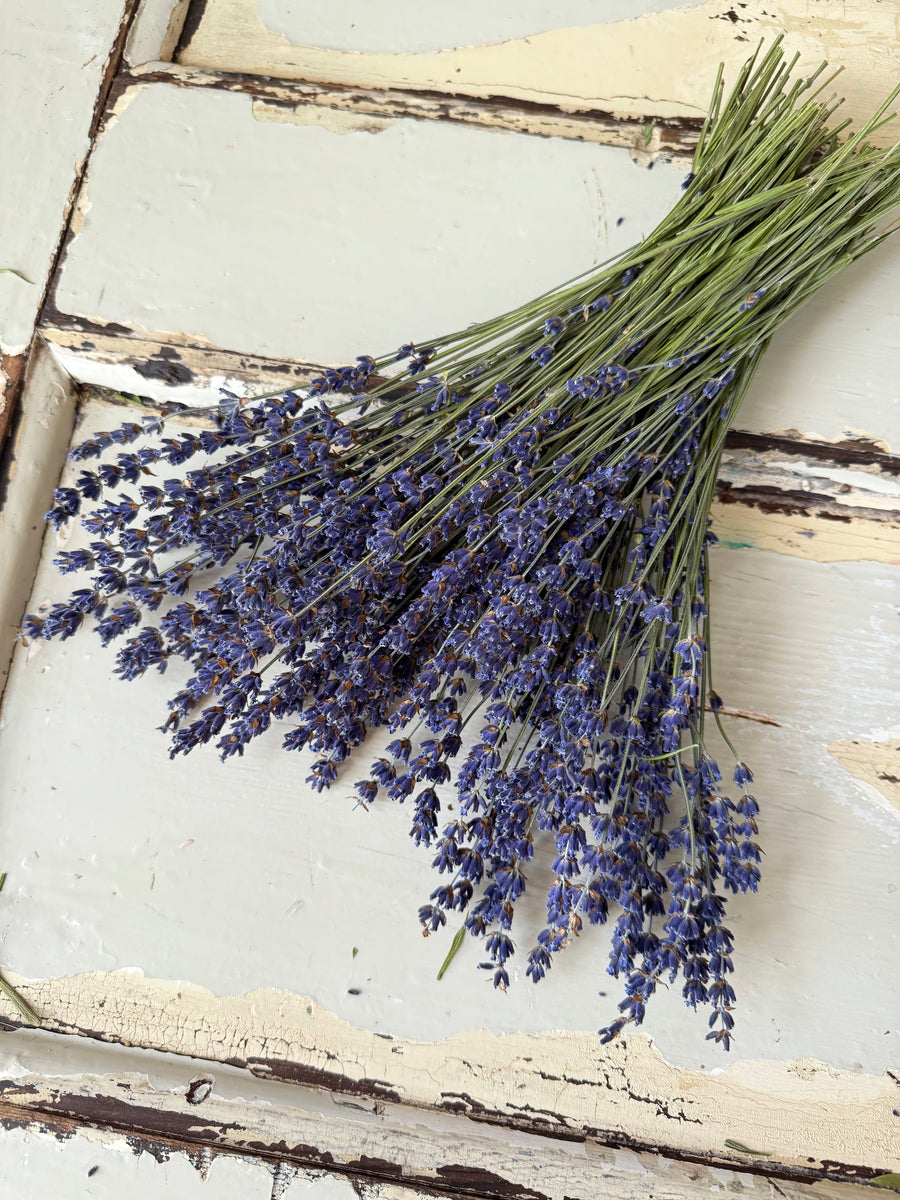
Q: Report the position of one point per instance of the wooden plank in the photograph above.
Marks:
(31, 464)
(308, 102)
(192, 255)
(95, 1097)
(235, 877)
(826, 501)
(655, 65)
(55, 76)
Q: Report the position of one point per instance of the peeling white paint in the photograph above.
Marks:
(248, 225)
(416, 1145)
(657, 64)
(803, 1113)
(37, 1164)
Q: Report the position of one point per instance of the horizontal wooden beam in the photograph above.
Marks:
(647, 136)
(201, 1109)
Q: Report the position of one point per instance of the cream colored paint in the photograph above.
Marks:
(820, 538)
(659, 64)
(334, 120)
(47, 1071)
(287, 241)
(235, 877)
(644, 142)
(51, 65)
(802, 1113)
(875, 763)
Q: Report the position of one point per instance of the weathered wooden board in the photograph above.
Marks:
(236, 878)
(52, 69)
(631, 59)
(205, 220)
(192, 1112)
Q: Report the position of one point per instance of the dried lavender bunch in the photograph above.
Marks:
(498, 549)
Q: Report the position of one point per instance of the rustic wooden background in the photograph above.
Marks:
(234, 992)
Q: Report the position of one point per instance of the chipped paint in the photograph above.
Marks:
(381, 1151)
(155, 31)
(803, 1112)
(814, 1118)
(587, 65)
(12, 371)
(792, 523)
(672, 139)
(874, 763)
(333, 119)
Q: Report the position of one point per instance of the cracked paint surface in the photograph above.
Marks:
(656, 64)
(799, 1112)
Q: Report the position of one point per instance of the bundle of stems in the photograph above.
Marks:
(495, 543)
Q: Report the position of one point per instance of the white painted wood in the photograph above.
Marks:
(235, 223)
(656, 64)
(207, 218)
(302, 1128)
(39, 445)
(235, 877)
(108, 1167)
(52, 59)
(408, 27)
(313, 234)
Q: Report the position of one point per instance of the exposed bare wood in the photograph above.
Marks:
(12, 372)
